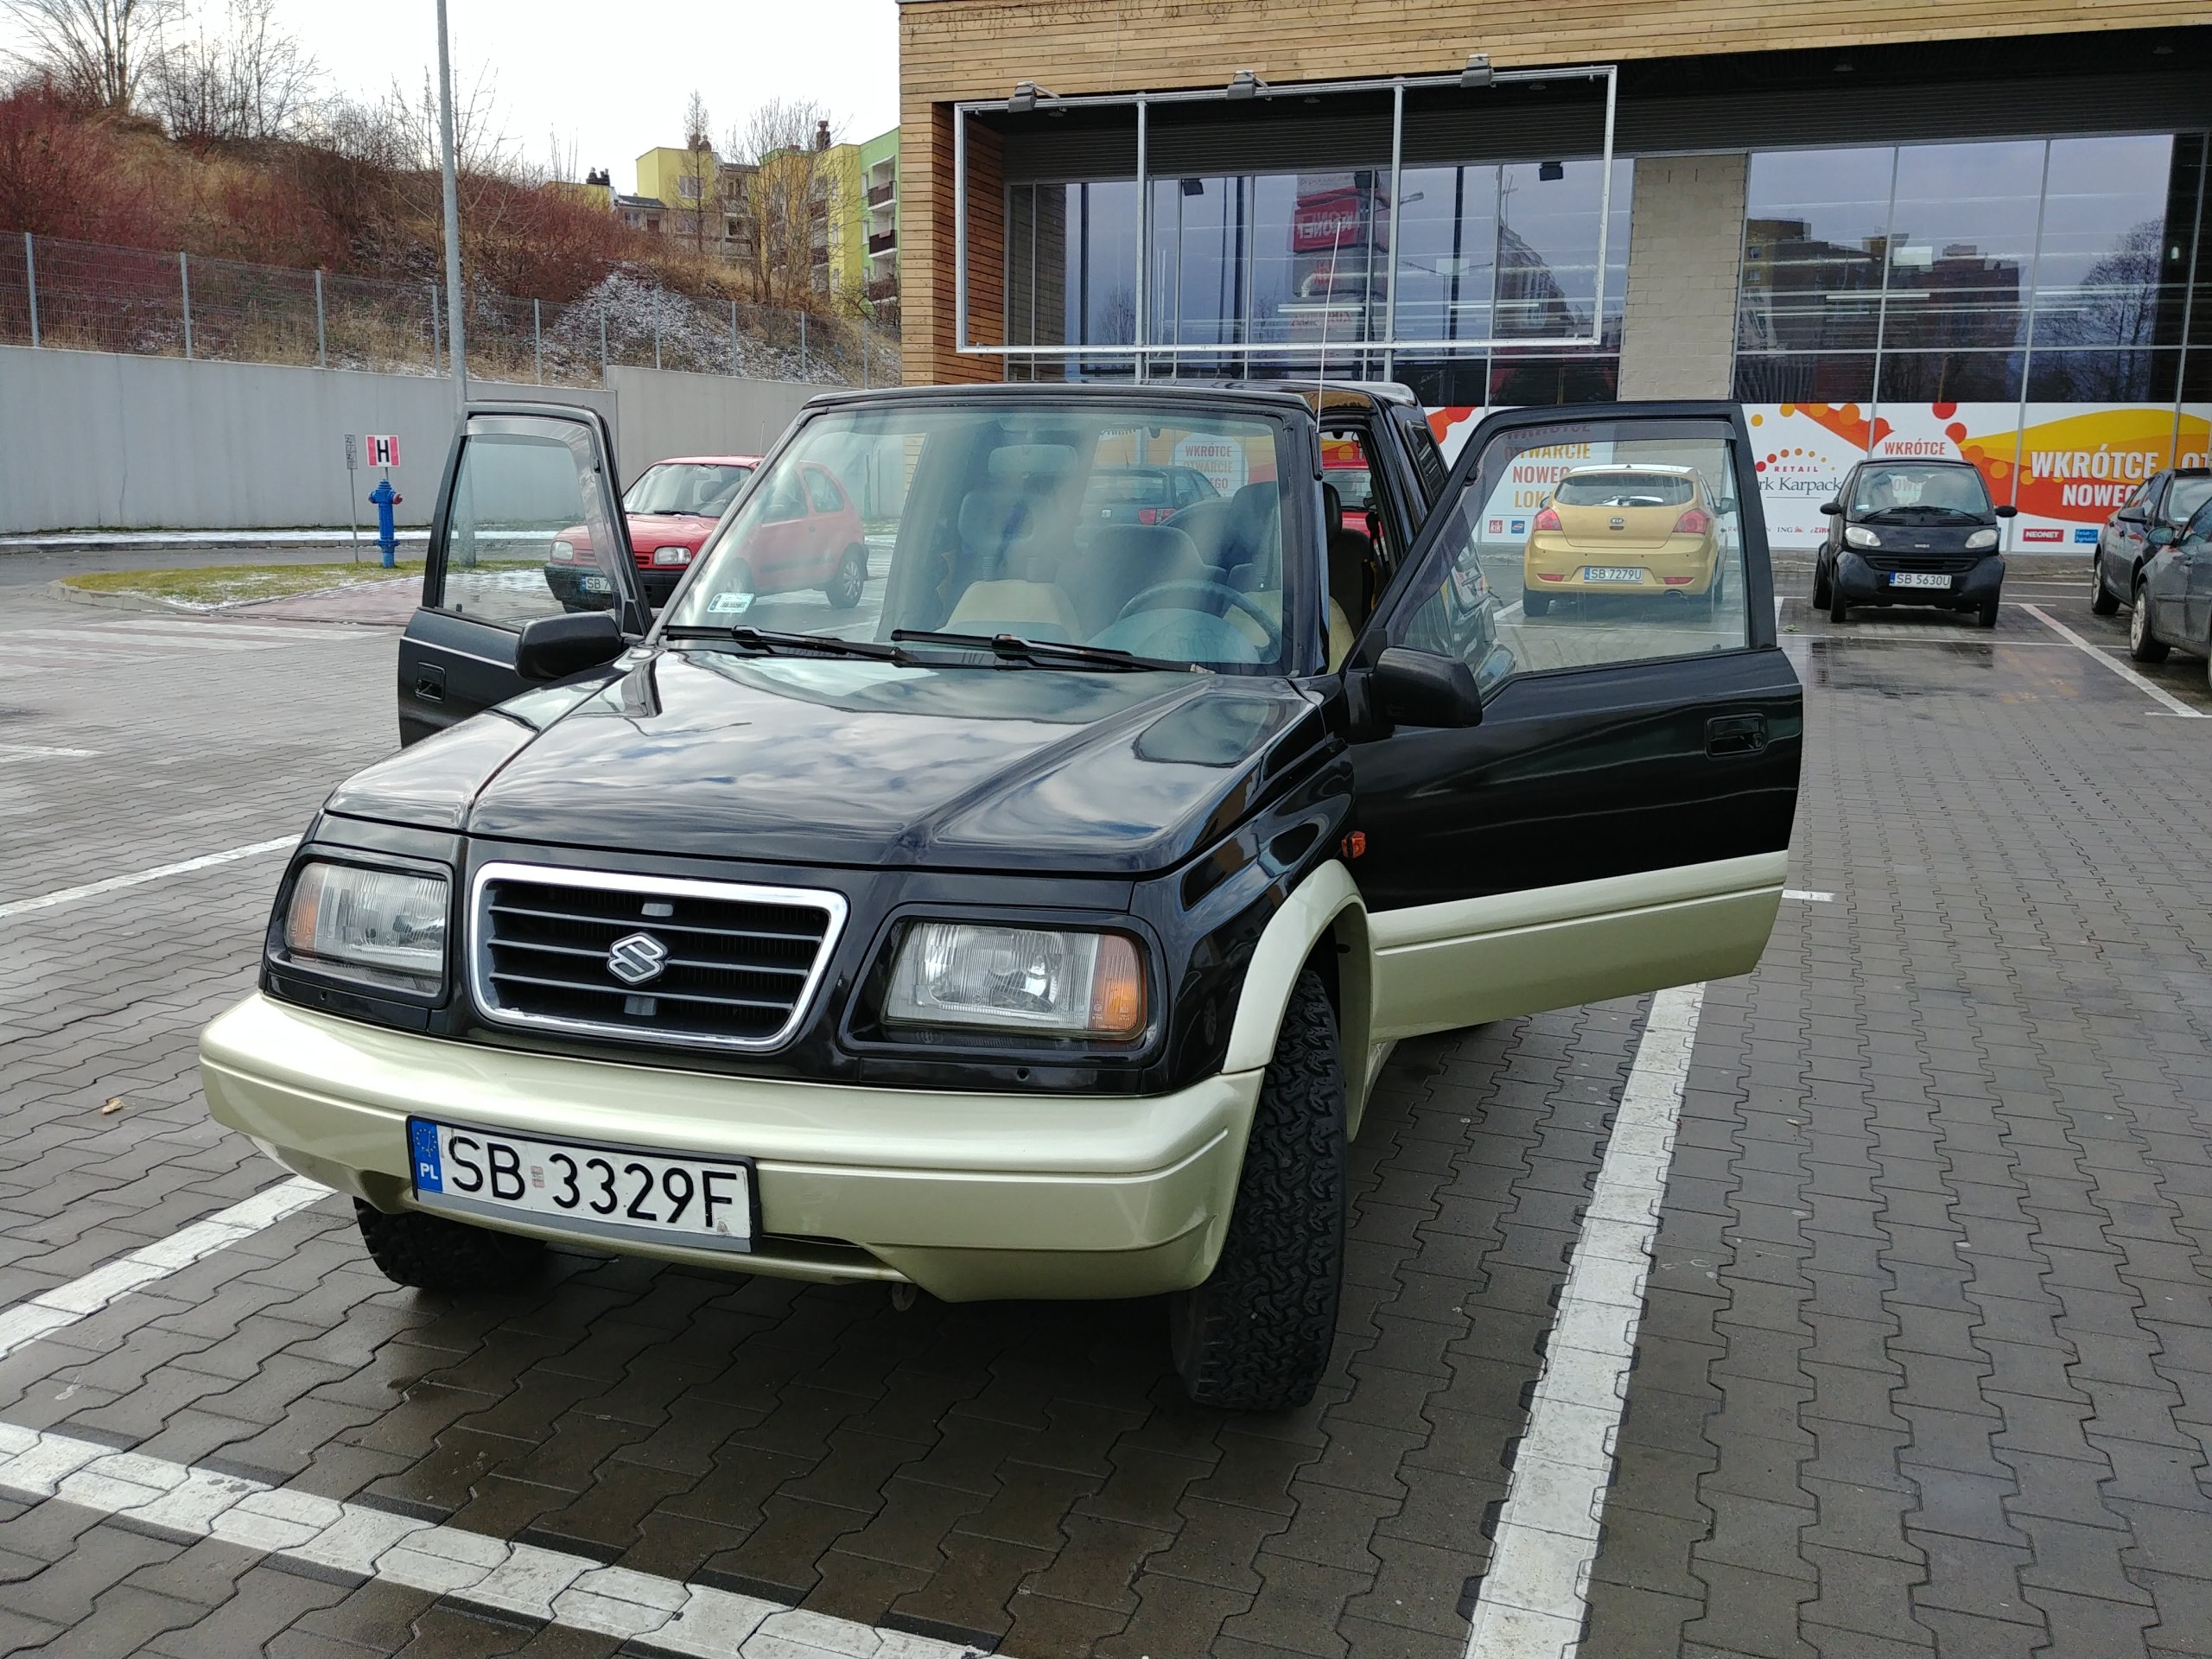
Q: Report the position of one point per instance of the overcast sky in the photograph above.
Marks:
(612, 75)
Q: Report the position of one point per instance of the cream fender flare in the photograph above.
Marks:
(1325, 902)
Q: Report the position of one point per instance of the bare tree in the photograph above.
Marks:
(697, 182)
(94, 51)
(251, 80)
(789, 196)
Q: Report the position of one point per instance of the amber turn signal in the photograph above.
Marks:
(1117, 988)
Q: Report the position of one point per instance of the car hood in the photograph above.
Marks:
(708, 753)
(652, 529)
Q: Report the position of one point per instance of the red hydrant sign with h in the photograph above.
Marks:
(383, 448)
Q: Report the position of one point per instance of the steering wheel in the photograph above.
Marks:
(1242, 602)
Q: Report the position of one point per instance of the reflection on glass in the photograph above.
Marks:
(1950, 376)
(2099, 278)
(1577, 547)
(1962, 232)
(1815, 223)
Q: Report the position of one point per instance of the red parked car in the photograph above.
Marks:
(673, 506)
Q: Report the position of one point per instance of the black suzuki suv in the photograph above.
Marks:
(1911, 532)
(1037, 926)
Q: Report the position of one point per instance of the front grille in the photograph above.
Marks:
(1929, 564)
(713, 963)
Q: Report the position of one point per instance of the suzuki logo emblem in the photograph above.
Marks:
(636, 958)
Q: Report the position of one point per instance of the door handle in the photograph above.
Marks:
(430, 684)
(1735, 734)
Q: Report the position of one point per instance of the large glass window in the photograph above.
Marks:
(2049, 271)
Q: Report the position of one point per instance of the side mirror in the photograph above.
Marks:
(2008, 510)
(1834, 509)
(1418, 688)
(554, 647)
(2161, 535)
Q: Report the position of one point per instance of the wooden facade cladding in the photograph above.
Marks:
(952, 50)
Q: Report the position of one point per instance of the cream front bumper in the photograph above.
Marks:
(969, 1196)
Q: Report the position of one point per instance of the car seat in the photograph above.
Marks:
(1121, 563)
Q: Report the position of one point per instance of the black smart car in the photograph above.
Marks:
(1912, 532)
(1039, 925)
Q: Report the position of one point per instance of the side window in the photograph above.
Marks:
(525, 535)
(2138, 499)
(1586, 544)
(823, 490)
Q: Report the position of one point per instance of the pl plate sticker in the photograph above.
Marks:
(729, 604)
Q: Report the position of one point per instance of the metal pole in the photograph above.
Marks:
(537, 336)
(321, 337)
(184, 284)
(437, 332)
(865, 348)
(460, 352)
(602, 344)
(959, 228)
(656, 337)
(1390, 300)
(802, 345)
(1144, 242)
(30, 281)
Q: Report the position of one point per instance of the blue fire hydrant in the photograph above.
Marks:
(386, 498)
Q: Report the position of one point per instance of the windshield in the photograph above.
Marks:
(2186, 496)
(1595, 488)
(704, 488)
(1001, 518)
(1953, 490)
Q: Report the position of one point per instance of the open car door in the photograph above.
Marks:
(1618, 818)
(529, 524)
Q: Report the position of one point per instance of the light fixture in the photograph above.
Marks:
(1244, 84)
(1844, 69)
(1551, 172)
(1025, 94)
(1477, 73)
(1194, 186)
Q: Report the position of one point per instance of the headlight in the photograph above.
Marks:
(564, 552)
(384, 927)
(1981, 539)
(1859, 536)
(671, 555)
(1034, 979)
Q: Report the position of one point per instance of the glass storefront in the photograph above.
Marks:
(2024, 304)
(1486, 252)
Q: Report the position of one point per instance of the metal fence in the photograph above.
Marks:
(86, 296)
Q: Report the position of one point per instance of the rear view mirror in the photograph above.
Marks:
(2008, 510)
(1418, 688)
(1832, 508)
(554, 647)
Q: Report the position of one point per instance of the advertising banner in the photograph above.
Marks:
(2066, 467)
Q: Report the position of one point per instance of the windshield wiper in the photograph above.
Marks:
(769, 640)
(1013, 648)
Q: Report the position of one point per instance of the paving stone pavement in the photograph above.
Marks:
(1925, 1366)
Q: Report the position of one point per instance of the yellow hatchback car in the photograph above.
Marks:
(1622, 528)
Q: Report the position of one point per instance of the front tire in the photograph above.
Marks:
(431, 1253)
(2102, 600)
(2142, 644)
(1838, 608)
(1987, 616)
(1823, 591)
(850, 580)
(1256, 1336)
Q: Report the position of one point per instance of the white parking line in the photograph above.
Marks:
(665, 1614)
(1806, 896)
(53, 1310)
(92, 889)
(36, 752)
(1532, 1599)
(2159, 693)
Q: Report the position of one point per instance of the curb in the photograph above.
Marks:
(59, 589)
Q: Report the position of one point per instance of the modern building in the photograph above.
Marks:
(880, 196)
(1977, 230)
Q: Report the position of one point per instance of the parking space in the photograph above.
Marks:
(1922, 1365)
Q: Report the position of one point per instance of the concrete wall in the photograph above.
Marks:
(92, 440)
(1678, 339)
